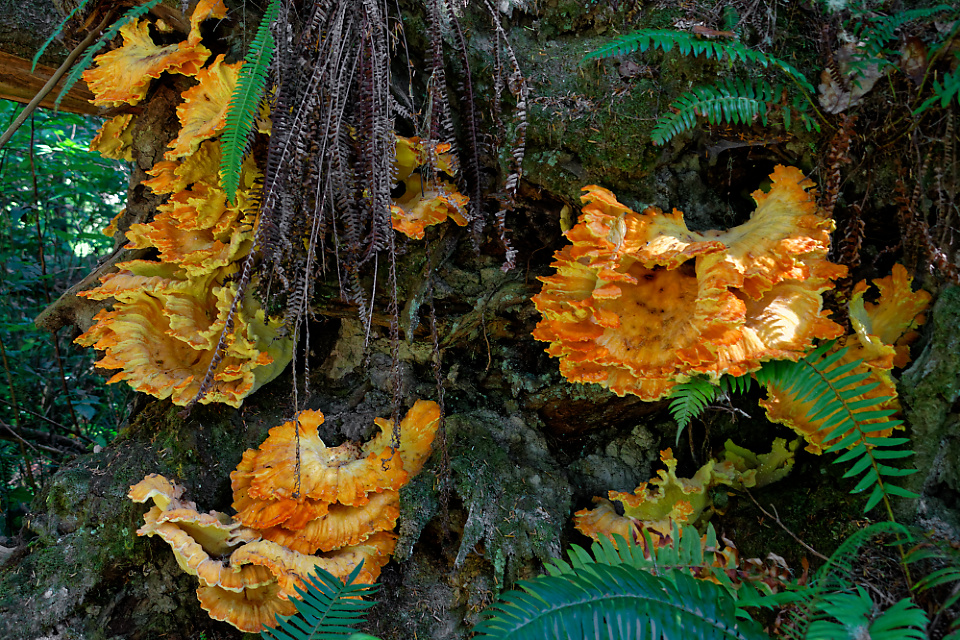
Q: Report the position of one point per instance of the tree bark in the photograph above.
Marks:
(526, 448)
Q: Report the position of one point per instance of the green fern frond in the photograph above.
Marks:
(246, 98)
(690, 45)
(328, 610)
(875, 32)
(689, 399)
(55, 33)
(943, 91)
(686, 554)
(836, 575)
(946, 559)
(603, 601)
(731, 100)
(853, 618)
(132, 14)
(847, 423)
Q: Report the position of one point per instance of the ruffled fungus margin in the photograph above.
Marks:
(249, 574)
(167, 317)
(640, 303)
(883, 332)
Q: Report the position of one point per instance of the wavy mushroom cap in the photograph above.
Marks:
(250, 610)
(341, 526)
(669, 498)
(201, 544)
(661, 504)
(328, 474)
(173, 176)
(892, 321)
(115, 138)
(155, 486)
(203, 113)
(163, 331)
(426, 199)
(291, 567)
(882, 334)
(604, 520)
(122, 76)
(417, 431)
(640, 303)
(422, 206)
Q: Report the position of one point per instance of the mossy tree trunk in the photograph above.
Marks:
(526, 448)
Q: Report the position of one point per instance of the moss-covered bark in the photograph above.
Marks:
(526, 447)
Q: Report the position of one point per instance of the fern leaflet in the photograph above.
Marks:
(108, 35)
(689, 399)
(604, 601)
(689, 553)
(328, 610)
(730, 100)
(875, 32)
(246, 98)
(946, 559)
(853, 617)
(55, 33)
(688, 44)
(943, 92)
(850, 419)
(834, 577)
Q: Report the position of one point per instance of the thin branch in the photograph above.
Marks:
(54, 79)
(773, 516)
(58, 444)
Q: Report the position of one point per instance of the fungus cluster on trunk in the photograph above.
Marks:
(329, 507)
(640, 303)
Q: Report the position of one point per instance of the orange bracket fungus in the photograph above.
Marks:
(656, 506)
(347, 506)
(168, 314)
(883, 332)
(425, 201)
(640, 303)
(659, 508)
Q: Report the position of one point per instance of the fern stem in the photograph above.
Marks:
(868, 451)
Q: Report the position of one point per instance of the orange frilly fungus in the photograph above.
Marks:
(639, 302)
(667, 500)
(882, 336)
(424, 203)
(265, 485)
(197, 228)
(168, 314)
(203, 112)
(115, 139)
(123, 75)
(248, 574)
(164, 328)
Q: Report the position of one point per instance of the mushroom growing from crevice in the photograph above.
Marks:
(656, 506)
(422, 200)
(656, 511)
(640, 303)
(250, 565)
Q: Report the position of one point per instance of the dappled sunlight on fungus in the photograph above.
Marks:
(640, 303)
(883, 332)
(169, 313)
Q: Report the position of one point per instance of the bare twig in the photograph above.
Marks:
(776, 519)
(54, 79)
(55, 443)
